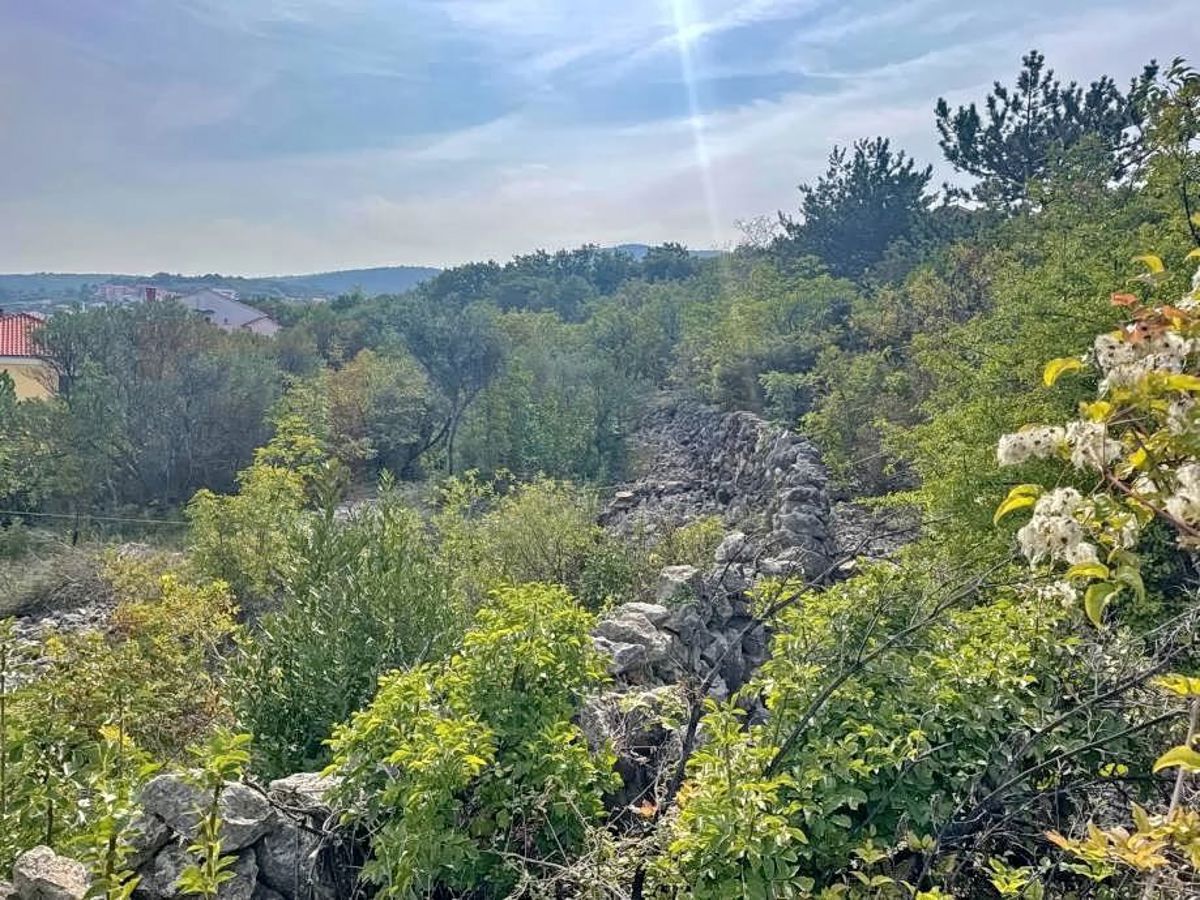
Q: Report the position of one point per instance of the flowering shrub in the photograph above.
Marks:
(1140, 439)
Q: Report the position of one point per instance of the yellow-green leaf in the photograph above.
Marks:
(1152, 262)
(1194, 254)
(1184, 757)
(1056, 368)
(1088, 570)
(1096, 598)
(1181, 383)
(1140, 818)
(1180, 685)
(1131, 578)
(1096, 411)
(1018, 498)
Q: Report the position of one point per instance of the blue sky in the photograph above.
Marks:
(271, 136)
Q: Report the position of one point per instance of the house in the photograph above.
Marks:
(19, 356)
(133, 293)
(230, 314)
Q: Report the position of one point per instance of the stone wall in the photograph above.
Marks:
(766, 482)
(280, 840)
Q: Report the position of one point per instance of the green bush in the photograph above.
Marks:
(79, 729)
(868, 738)
(359, 597)
(469, 775)
(543, 530)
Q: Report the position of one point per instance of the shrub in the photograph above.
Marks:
(868, 737)
(359, 597)
(470, 775)
(543, 530)
(77, 731)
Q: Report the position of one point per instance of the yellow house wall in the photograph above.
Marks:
(29, 376)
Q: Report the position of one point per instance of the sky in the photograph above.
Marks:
(265, 137)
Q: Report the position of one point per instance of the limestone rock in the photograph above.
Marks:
(245, 878)
(245, 814)
(160, 879)
(148, 835)
(674, 581)
(624, 657)
(631, 627)
(698, 461)
(733, 548)
(305, 792)
(288, 862)
(656, 613)
(41, 874)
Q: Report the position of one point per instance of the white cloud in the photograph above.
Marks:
(76, 193)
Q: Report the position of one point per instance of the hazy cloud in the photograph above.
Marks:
(293, 135)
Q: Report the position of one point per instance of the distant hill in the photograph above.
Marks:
(637, 251)
(380, 280)
(43, 288)
(53, 287)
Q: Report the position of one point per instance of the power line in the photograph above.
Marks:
(83, 516)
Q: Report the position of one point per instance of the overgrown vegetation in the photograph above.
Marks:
(969, 718)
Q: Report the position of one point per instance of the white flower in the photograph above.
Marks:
(1082, 552)
(1112, 351)
(1126, 364)
(1180, 418)
(1059, 502)
(1091, 447)
(1185, 502)
(1032, 443)
(1059, 592)
(1052, 533)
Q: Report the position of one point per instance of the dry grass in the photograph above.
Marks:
(51, 576)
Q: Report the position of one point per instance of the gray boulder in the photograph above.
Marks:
(147, 835)
(304, 792)
(288, 862)
(733, 548)
(631, 627)
(674, 581)
(160, 879)
(654, 612)
(623, 657)
(41, 874)
(246, 815)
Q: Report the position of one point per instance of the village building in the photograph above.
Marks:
(232, 315)
(20, 357)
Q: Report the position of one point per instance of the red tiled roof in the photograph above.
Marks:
(16, 334)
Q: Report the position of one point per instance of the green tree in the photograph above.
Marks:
(461, 348)
(1025, 129)
(869, 197)
(359, 597)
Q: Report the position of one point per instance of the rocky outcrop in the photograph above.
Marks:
(703, 622)
(41, 874)
(280, 842)
(246, 815)
(766, 482)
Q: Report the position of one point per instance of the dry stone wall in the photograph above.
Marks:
(766, 482)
